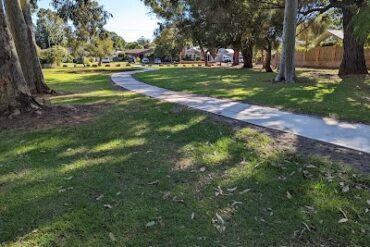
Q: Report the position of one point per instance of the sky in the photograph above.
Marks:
(131, 18)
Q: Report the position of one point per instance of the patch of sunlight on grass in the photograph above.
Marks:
(212, 154)
(119, 143)
(41, 145)
(14, 176)
(320, 95)
(73, 152)
(92, 162)
(181, 127)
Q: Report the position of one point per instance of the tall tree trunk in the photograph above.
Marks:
(287, 64)
(39, 76)
(100, 61)
(248, 55)
(25, 45)
(14, 91)
(236, 57)
(204, 54)
(353, 61)
(268, 56)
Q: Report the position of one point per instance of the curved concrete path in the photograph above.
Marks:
(353, 136)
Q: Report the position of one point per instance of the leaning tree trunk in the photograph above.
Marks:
(268, 56)
(248, 55)
(353, 61)
(14, 91)
(287, 64)
(236, 57)
(25, 45)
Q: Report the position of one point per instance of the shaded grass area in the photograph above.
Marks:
(147, 173)
(320, 92)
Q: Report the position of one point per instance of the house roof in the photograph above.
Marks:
(338, 34)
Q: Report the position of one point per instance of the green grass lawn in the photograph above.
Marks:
(148, 173)
(320, 92)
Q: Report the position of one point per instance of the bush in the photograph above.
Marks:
(65, 66)
(95, 65)
(118, 65)
(128, 65)
(107, 65)
(54, 55)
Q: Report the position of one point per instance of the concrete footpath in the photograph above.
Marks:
(353, 136)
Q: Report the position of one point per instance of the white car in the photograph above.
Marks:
(157, 61)
(145, 60)
(226, 59)
(106, 60)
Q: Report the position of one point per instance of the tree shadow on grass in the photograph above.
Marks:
(75, 185)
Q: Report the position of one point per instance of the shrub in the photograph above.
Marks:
(54, 55)
(107, 65)
(118, 65)
(95, 65)
(65, 66)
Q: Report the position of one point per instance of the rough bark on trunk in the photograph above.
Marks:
(25, 45)
(287, 64)
(267, 57)
(14, 91)
(353, 61)
(236, 58)
(248, 55)
(204, 54)
(39, 76)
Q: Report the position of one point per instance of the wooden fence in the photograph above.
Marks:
(321, 57)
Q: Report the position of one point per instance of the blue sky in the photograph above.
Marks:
(131, 18)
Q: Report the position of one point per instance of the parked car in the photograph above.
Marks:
(106, 60)
(145, 60)
(131, 60)
(226, 59)
(241, 59)
(157, 61)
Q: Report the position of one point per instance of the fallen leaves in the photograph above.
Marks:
(244, 191)
(99, 197)
(154, 182)
(219, 223)
(343, 220)
(232, 190)
(150, 224)
(219, 191)
(112, 237)
(288, 195)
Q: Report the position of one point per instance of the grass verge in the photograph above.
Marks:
(320, 92)
(148, 173)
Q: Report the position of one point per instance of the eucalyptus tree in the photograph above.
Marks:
(353, 61)
(50, 29)
(287, 63)
(21, 74)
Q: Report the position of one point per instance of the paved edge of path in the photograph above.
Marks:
(353, 136)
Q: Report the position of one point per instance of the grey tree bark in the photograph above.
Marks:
(25, 45)
(14, 91)
(287, 63)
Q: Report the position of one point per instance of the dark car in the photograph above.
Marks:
(131, 60)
